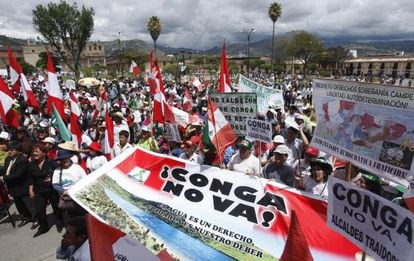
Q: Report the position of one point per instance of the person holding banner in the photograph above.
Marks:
(244, 161)
(316, 183)
(189, 153)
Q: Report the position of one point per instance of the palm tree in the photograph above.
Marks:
(274, 12)
(154, 27)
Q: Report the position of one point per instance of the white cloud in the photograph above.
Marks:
(203, 24)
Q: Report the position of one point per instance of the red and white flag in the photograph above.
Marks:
(55, 96)
(197, 84)
(19, 80)
(75, 113)
(134, 68)
(8, 115)
(107, 243)
(187, 101)
(219, 130)
(162, 110)
(224, 80)
(109, 136)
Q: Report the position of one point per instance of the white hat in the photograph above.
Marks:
(273, 111)
(118, 114)
(292, 124)
(282, 149)
(44, 124)
(204, 108)
(49, 140)
(4, 135)
(299, 116)
(279, 139)
(145, 128)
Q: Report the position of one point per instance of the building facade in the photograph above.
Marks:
(392, 66)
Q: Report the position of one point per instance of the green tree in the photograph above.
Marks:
(26, 67)
(154, 27)
(305, 47)
(66, 28)
(42, 62)
(139, 58)
(274, 12)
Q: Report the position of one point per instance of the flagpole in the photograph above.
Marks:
(215, 130)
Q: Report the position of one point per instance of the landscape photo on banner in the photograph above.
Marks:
(380, 227)
(369, 125)
(202, 211)
(265, 95)
(236, 108)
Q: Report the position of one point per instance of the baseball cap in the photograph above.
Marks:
(312, 151)
(282, 149)
(279, 139)
(246, 144)
(49, 140)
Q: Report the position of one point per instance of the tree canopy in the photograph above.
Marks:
(66, 28)
(305, 47)
(154, 27)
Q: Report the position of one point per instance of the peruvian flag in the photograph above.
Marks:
(7, 113)
(187, 101)
(197, 84)
(224, 81)
(109, 136)
(75, 113)
(53, 90)
(219, 132)
(19, 80)
(162, 110)
(107, 243)
(134, 68)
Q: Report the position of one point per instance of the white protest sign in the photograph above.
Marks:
(128, 248)
(264, 94)
(181, 116)
(259, 130)
(370, 125)
(381, 228)
(236, 108)
(172, 132)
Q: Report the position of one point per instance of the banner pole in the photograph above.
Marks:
(348, 171)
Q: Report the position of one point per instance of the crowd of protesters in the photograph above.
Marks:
(38, 168)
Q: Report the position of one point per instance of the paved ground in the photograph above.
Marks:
(18, 244)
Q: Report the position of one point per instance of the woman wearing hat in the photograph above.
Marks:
(95, 159)
(41, 173)
(316, 183)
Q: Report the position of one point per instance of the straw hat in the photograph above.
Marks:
(68, 145)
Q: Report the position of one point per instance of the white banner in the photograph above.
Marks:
(383, 229)
(370, 125)
(172, 132)
(236, 108)
(259, 130)
(264, 94)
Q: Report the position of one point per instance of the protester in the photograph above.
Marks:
(189, 152)
(75, 244)
(16, 175)
(278, 170)
(42, 169)
(244, 161)
(147, 141)
(317, 182)
(123, 143)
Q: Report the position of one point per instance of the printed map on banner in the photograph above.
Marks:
(204, 213)
(264, 94)
(380, 227)
(370, 125)
(236, 108)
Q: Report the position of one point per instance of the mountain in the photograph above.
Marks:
(259, 48)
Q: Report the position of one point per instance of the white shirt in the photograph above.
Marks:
(118, 128)
(118, 150)
(194, 158)
(320, 189)
(96, 162)
(247, 166)
(70, 176)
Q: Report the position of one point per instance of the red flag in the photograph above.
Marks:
(196, 82)
(109, 136)
(134, 68)
(162, 110)
(75, 130)
(19, 80)
(224, 81)
(187, 102)
(15, 70)
(7, 113)
(296, 247)
(107, 243)
(54, 93)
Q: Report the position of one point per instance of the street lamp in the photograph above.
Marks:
(248, 32)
